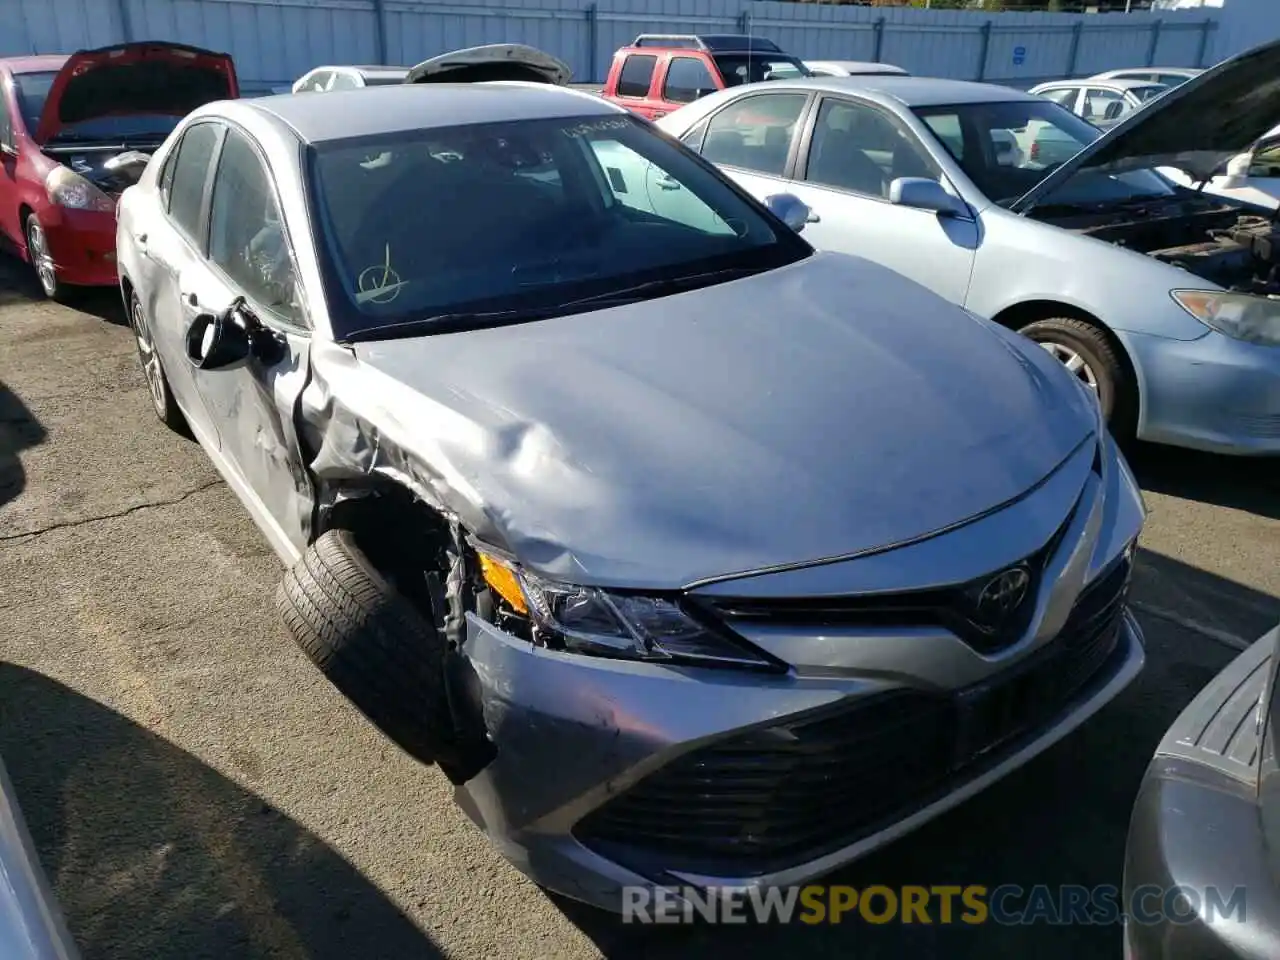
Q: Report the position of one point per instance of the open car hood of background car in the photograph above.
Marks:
(130, 78)
(494, 61)
(1196, 127)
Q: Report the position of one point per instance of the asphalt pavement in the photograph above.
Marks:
(195, 789)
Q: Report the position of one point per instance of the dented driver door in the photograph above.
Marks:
(251, 402)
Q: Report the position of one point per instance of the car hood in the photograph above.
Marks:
(494, 61)
(1195, 127)
(817, 411)
(130, 78)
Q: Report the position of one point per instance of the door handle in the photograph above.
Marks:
(666, 183)
(812, 218)
(141, 240)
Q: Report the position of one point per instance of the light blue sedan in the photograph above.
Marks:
(1160, 298)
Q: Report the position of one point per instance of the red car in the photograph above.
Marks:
(75, 131)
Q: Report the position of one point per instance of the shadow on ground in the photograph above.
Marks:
(18, 285)
(154, 854)
(1251, 484)
(19, 431)
(1060, 820)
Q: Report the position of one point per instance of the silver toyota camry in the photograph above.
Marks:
(691, 555)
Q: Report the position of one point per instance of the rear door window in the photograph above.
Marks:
(191, 162)
(636, 76)
(755, 133)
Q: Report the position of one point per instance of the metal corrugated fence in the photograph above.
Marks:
(275, 41)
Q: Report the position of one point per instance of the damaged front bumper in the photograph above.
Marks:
(594, 755)
(610, 774)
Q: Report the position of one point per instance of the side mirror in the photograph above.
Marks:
(8, 150)
(791, 210)
(925, 194)
(216, 341)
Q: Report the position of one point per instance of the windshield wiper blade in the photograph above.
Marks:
(668, 285)
(462, 320)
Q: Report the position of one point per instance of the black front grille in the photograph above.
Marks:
(779, 795)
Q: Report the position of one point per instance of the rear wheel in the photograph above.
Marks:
(152, 371)
(41, 259)
(1089, 355)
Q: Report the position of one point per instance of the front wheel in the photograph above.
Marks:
(1090, 356)
(41, 259)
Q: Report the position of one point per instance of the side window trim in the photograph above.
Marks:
(265, 314)
(801, 133)
(802, 160)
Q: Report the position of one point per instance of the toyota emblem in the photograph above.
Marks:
(1001, 597)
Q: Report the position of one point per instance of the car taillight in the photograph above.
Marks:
(1035, 149)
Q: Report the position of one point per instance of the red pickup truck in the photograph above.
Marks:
(659, 72)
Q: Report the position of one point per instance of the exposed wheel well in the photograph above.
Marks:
(1020, 314)
(403, 537)
(126, 289)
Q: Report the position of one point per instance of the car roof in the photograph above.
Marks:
(1188, 71)
(1115, 84)
(909, 91)
(870, 66)
(36, 64)
(341, 114)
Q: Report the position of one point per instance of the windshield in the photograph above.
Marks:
(32, 90)
(523, 215)
(1008, 148)
(739, 68)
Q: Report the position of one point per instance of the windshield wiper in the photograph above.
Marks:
(450, 323)
(668, 285)
(459, 321)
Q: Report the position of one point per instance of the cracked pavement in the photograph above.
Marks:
(195, 789)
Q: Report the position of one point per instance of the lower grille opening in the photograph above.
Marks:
(770, 798)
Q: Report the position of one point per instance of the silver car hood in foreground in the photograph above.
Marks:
(822, 410)
(1196, 127)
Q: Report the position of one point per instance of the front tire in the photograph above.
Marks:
(42, 260)
(371, 643)
(1089, 354)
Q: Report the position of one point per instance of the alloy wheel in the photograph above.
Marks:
(148, 357)
(1074, 362)
(41, 259)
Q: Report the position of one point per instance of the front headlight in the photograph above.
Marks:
(1240, 316)
(606, 623)
(68, 189)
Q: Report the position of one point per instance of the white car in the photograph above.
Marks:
(852, 68)
(1169, 76)
(1253, 176)
(327, 78)
(1104, 103)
